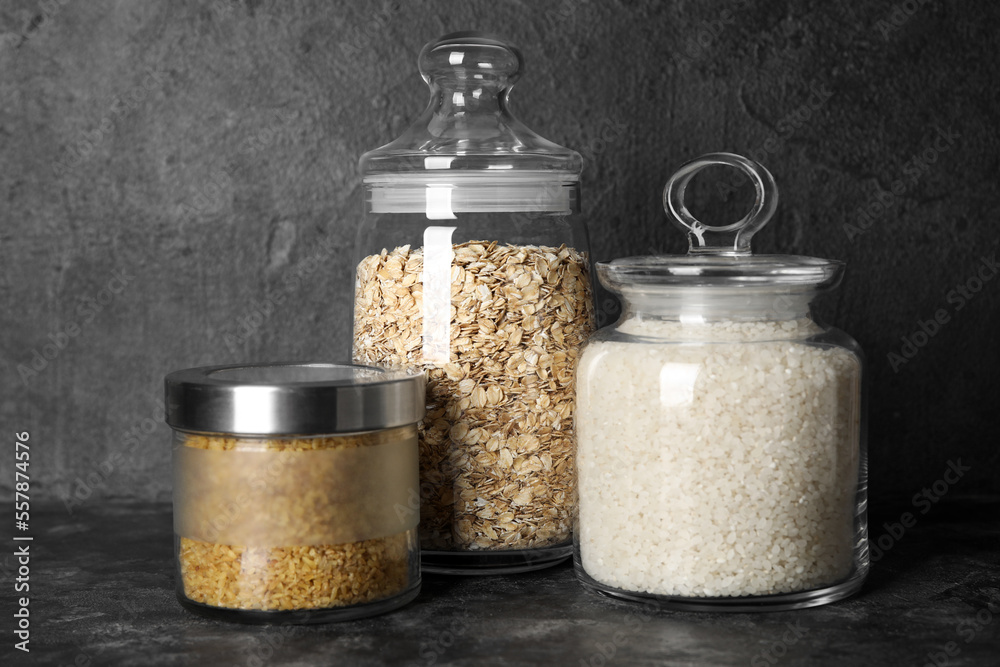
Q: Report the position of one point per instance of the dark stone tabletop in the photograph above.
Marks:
(102, 593)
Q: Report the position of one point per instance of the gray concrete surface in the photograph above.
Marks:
(105, 596)
(170, 169)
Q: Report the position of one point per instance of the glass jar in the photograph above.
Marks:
(473, 265)
(295, 490)
(720, 428)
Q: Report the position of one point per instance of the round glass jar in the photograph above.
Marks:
(720, 428)
(295, 490)
(473, 266)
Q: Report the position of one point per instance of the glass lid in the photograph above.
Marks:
(720, 255)
(467, 146)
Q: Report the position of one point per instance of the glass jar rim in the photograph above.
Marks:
(673, 271)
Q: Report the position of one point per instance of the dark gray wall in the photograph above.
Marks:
(207, 153)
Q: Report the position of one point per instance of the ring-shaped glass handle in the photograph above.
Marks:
(732, 239)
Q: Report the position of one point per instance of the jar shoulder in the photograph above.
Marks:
(805, 332)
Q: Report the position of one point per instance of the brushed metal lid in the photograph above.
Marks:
(293, 398)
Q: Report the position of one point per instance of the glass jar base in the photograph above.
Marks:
(302, 616)
(780, 602)
(477, 563)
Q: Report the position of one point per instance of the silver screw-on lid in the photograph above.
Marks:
(293, 398)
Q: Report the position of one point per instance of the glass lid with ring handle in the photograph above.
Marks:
(721, 255)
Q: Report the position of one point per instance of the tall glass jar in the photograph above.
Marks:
(720, 428)
(473, 265)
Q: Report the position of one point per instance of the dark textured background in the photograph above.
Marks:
(207, 151)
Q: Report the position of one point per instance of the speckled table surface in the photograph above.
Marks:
(102, 594)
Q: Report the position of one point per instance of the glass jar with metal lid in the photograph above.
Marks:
(720, 433)
(473, 265)
(295, 490)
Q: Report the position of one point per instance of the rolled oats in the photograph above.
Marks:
(496, 445)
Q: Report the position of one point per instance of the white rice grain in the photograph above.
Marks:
(716, 469)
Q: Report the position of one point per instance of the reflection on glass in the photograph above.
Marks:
(439, 203)
(438, 255)
(677, 384)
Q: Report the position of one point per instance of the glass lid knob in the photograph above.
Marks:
(474, 59)
(731, 240)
